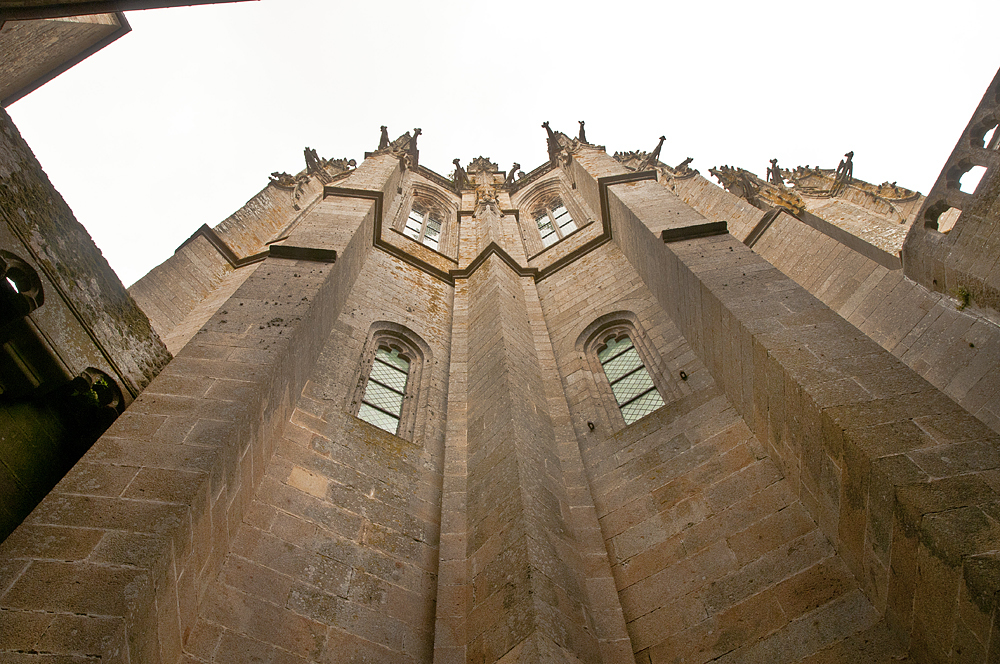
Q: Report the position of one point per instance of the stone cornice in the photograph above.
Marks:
(273, 250)
(224, 249)
(435, 177)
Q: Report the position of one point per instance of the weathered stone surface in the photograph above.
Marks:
(800, 496)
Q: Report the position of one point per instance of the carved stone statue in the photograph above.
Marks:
(683, 166)
(553, 141)
(413, 142)
(486, 195)
(460, 177)
(774, 173)
(650, 161)
(510, 176)
(583, 132)
(313, 162)
(383, 141)
(845, 170)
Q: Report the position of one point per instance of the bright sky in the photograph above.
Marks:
(180, 122)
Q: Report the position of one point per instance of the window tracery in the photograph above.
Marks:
(630, 377)
(392, 389)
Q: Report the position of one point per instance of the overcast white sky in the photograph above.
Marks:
(181, 121)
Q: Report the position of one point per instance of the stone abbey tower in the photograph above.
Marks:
(602, 412)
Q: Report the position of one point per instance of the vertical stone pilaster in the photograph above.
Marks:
(453, 592)
(527, 603)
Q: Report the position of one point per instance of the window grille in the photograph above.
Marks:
(382, 403)
(630, 381)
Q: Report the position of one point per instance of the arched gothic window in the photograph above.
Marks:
(392, 389)
(424, 225)
(554, 221)
(382, 402)
(20, 288)
(629, 378)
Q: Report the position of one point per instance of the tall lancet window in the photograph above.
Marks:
(630, 381)
(382, 403)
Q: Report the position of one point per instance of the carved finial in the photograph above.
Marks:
(583, 132)
(460, 178)
(510, 176)
(383, 141)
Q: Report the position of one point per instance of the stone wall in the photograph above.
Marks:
(961, 261)
(145, 521)
(82, 326)
(950, 343)
(885, 463)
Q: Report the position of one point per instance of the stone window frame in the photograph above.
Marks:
(392, 336)
(592, 341)
(430, 203)
(542, 200)
(545, 214)
(22, 290)
(426, 221)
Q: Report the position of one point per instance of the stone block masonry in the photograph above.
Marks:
(162, 494)
(800, 496)
(871, 464)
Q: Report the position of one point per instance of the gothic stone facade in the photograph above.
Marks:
(399, 426)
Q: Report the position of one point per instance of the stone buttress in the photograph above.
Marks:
(389, 435)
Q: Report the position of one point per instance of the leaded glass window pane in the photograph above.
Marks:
(382, 397)
(632, 385)
(563, 220)
(622, 364)
(388, 376)
(414, 224)
(382, 402)
(630, 381)
(641, 407)
(378, 418)
(432, 233)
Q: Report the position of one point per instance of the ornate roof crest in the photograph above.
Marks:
(482, 164)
